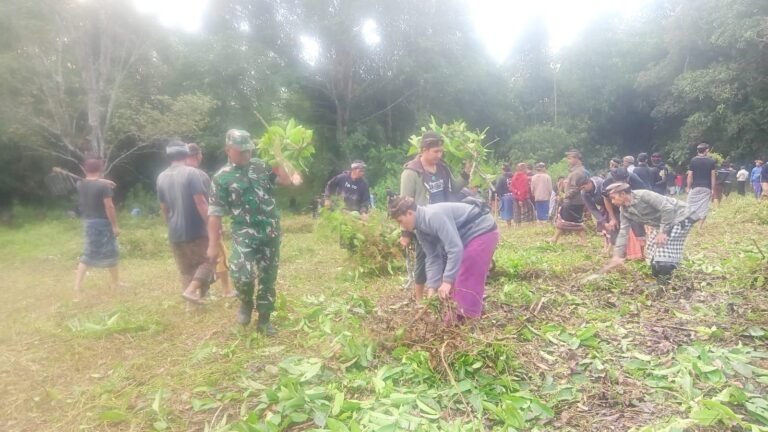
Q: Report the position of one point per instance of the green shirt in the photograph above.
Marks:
(246, 194)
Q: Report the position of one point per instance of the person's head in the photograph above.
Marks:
(702, 148)
(522, 167)
(93, 166)
(758, 163)
(619, 193)
(195, 157)
(506, 168)
(732, 166)
(541, 167)
(656, 158)
(176, 151)
(357, 170)
(642, 158)
(628, 161)
(403, 210)
(431, 147)
(586, 184)
(574, 157)
(620, 174)
(239, 146)
(614, 163)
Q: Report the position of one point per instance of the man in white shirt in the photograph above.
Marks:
(741, 180)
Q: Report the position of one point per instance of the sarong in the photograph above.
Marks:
(672, 251)
(523, 211)
(507, 207)
(698, 202)
(469, 286)
(570, 218)
(100, 248)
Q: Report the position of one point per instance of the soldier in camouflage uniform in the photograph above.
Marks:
(244, 190)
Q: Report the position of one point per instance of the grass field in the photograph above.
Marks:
(552, 353)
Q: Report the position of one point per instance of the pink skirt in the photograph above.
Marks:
(469, 287)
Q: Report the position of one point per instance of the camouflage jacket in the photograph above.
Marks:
(246, 194)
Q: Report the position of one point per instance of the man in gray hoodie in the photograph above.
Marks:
(428, 180)
(459, 240)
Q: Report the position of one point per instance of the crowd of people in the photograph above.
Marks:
(454, 232)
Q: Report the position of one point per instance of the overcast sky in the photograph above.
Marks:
(498, 22)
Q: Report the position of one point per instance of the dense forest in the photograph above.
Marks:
(79, 77)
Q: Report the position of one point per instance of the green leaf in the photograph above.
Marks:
(113, 416)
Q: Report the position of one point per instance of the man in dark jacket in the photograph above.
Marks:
(352, 188)
(662, 180)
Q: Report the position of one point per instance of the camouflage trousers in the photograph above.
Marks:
(255, 259)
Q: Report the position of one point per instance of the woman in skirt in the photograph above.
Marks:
(459, 241)
(669, 218)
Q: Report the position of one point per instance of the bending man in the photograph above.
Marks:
(671, 221)
(466, 235)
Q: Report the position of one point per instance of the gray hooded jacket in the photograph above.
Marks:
(443, 230)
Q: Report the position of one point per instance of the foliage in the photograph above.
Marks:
(462, 146)
(372, 244)
(288, 145)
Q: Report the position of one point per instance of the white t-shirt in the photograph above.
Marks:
(742, 175)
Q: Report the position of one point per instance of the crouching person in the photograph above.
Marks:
(670, 219)
(466, 235)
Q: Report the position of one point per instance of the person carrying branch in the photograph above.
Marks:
(99, 224)
(244, 190)
(670, 219)
(458, 240)
(352, 187)
(427, 180)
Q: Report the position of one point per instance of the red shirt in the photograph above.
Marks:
(518, 186)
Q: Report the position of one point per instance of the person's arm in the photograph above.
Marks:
(589, 202)
(365, 197)
(331, 188)
(164, 212)
(620, 250)
(109, 208)
(689, 181)
(201, 203)
(409, 180)
(713, 177)
(217, 206)
(284, 178)
(445, 229)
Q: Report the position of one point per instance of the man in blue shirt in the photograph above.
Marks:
(755, 178)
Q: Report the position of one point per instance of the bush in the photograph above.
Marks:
(372, 245)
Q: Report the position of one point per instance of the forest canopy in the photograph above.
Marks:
(98, 77)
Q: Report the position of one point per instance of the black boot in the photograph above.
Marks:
(264, 327)
(244, 314)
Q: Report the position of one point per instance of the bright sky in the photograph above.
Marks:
(498, 22)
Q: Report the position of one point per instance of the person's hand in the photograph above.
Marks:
(444, 291)
(610, 226)
(115, 231)
(687, 190)
(364, 217)
(468, 167)
(296, 179)
(405, 241)
(661, 239)
(614, 263)
(327, 204)
(212, 253)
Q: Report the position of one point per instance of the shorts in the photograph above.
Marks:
(192, 261)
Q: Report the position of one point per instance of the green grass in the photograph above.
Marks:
(551, 354)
